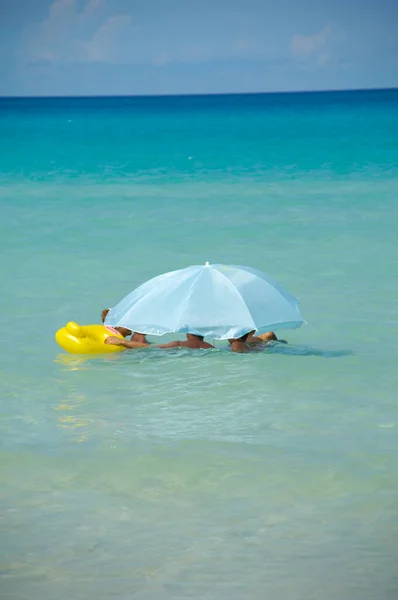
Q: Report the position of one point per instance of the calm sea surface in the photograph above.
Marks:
(206, 475)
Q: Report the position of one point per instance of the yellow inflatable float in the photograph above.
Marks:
(87, 339)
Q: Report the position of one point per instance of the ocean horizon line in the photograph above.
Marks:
(201, 95)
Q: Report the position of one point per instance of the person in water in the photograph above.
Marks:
(269, 336)
(193, 341)
(139, 338)
(240, 344)
(246, 342)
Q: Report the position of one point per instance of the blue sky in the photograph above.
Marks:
(74, 47)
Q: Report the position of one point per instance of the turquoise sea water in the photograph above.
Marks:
(203, 475)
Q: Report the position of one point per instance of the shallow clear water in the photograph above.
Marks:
(184, 474)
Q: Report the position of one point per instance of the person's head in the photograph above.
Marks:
(138, 336)
(194, 336)
(123, 330)
(242, 339)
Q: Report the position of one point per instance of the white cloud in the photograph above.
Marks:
(160, 59)
(73, 32)
(104, 46)
(86, 31)
(316, 47)
(93, 6)
(61, 9)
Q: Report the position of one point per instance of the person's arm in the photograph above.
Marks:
(269, 336)
(254, 339)
(115, 341)
(176, 344)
